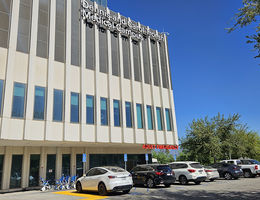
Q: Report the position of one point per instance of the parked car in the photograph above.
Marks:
(105, 179)
(250, 169)
(228, 171)
(212, 173)
(152, 175)
(186, 172)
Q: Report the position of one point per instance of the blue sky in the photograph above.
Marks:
(212, 71)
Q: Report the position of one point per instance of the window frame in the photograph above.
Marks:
(63, 106)
(119, 107)
(94, 106)
(45, 105)
(107, 111)
(25, 101)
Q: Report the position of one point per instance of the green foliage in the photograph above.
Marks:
(163, 156)
(247, 15)
(210, 140)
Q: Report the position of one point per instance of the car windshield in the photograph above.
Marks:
(254, 162)
(164, 168)
(115, 169)
(196, 165)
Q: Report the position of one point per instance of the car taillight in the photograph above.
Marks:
(207, 170)
(159, 173)
(111, 177)
(234, 167)
(191, 170)
(256, 167)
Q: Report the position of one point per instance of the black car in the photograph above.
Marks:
(228, 171)
(152, 175)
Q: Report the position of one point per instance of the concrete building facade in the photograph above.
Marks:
(76, 77)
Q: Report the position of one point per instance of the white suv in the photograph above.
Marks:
(188, 171)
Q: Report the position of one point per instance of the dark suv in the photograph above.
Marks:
(228, 171)
(152, 175)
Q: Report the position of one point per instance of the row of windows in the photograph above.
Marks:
(19, 99)
(43, 31)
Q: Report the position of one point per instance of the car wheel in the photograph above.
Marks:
(78, 187)
(183, 180)
(102, 190)
(167, 185)
(211, 180)
(247, 174)
(227, 176)
(197, 182)
(150, 183)
(126, 191)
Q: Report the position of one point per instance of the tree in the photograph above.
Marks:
(247, 15)
(163, 156)
(209, 140)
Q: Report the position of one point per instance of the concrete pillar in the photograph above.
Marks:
(73, 162)
(43, 163)
(7, 168)
(25, 168)
(58, 169)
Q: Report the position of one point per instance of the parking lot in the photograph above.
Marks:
(220, 189)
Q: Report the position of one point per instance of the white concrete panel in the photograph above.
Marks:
(72, 132)
(20, 67)
(34, 130)
(156, 96)
(116, 135)
(58, 76)
(88, 133)
(3, 57)
(103, 134)
(89, 82)
(115, 87)
(12, 129)
(129, 135)
(140, 136)
(169, 138)
(137, 92)
(74, 79)
(54, 131)
(165, 98)
(40, 71)
(147, 94)
(160, 137)
(102, 84)
(126, 89)
(150, 137)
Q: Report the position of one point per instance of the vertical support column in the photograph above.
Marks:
(170, 92)
(10, 62)
(152, 86)
(7, 168)
(43, 163)
(160, 88)
(31, 68)
(98, 117)
(73, 162)
(25, 168)
(111, 116)
(58, 169)
(88, 160)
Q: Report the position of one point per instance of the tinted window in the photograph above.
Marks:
(18, 100)
(58, 105)
(103, 111)
(168, 119)
(39, 103)
(60, 30)
(164, 168)
(43, 29)
(5, 10)
(230, 162)
(90, 109)
(16, 171)
(100, 171)
(149, 117)
(24, 26)
(92, 172)
(115, 169)
(115, 54)
(116, 112)
(156, 77)
(102, 50)
(146, 62)
(74, 107)
(246, 162)
(137, 66)
(181, 166)
(126, 57)
(128, 111)
(196, 165)
(90, 43)
(164, 70)
(139, 113)
(75, 32)
(159, 118)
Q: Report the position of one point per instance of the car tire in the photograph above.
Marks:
(247, 174)
(183, 180)
(197, 182)
(126, 191)
(227, 176)
(167, 185)
(102, 190)
(78, 187)
(211, 180)
(150, 183)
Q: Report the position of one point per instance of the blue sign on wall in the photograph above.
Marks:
(146, 157)
(125, 157)
(84, 157)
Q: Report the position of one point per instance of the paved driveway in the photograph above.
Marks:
(221, 189)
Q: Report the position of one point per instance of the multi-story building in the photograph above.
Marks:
(76, 77)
